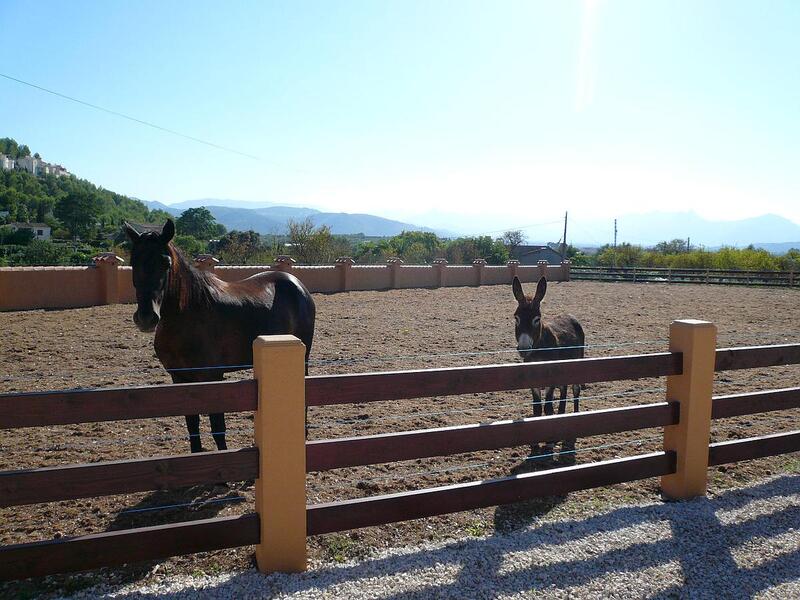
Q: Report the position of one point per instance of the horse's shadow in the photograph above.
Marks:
(510, 517)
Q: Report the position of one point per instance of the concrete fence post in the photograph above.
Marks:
(205, 262)
(343, 265)
(394, 264)
(479, 264)
(107, 264)
(565, 266)
(669, 275)
(512, 265)
(440, 264)
(542, 264)
(283, 263)
(279, 423)
(791, 278)
(692, 389)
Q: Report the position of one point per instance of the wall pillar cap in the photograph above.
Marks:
(542, 262)
(345, 260)
(512, 262)
(206, 259)
(108, 258)
(284, 259)
(479, 262)
(394, 260)
(440, 261)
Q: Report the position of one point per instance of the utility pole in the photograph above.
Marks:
(615, 234)
(688, 244)
(564, 243)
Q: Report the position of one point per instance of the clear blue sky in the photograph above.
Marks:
(503, 110)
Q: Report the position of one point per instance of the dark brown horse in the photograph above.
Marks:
(203, 321)
(541, 339)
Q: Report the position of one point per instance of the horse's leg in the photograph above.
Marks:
(193, 425)
(217, 421)
(576, 393)
(562, 400)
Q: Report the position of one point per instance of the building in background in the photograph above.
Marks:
(530, 255)
(41, 231)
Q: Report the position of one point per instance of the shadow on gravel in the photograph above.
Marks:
(722, 547)
(510, 517)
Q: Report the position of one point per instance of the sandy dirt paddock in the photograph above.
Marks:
(370, 331)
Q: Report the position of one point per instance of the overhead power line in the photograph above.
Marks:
(129, 118)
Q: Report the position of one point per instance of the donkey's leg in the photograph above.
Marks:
(562, 399)
(537, 402)
(549, 400)
(576, 393)
(549, 409)
(193, 425)
(217, 421)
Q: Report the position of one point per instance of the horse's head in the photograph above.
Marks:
(151, 261)
(528, 316)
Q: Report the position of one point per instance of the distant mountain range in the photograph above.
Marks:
(266, 218)
(771, 232)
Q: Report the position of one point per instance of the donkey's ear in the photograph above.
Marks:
(541, 290)
(518, 293)
(132, 234)
(168, 232)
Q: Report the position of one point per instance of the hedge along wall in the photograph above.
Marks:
(108, 282)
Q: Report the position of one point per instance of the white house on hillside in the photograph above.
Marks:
(41, 231)
(33, 165)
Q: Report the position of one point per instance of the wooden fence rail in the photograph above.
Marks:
(282, 457)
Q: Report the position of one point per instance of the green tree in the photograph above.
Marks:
(513, 238)
(190, 245)
(199, 223)
(78, 211)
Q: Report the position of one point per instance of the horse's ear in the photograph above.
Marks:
(168, 232)
(132, 234)
(518, 293)
(541, 290)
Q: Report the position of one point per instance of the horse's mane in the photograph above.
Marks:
(187, 285)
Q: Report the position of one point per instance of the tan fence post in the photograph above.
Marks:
(791, 278)
(479, 264)
(440, 264)
(565, 266)
(512, 265)
(692, 389)
(393, 264)
(205, 262)
(669, 275)
(343, 265)
(279, 423)
(542, 264)
(283, 263)
(107, 264)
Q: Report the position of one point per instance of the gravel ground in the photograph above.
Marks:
(741, 543)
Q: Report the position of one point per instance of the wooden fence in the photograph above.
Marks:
(667, 275)
(109, 282)
(281, 457)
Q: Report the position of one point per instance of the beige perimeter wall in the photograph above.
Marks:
(25, 288)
